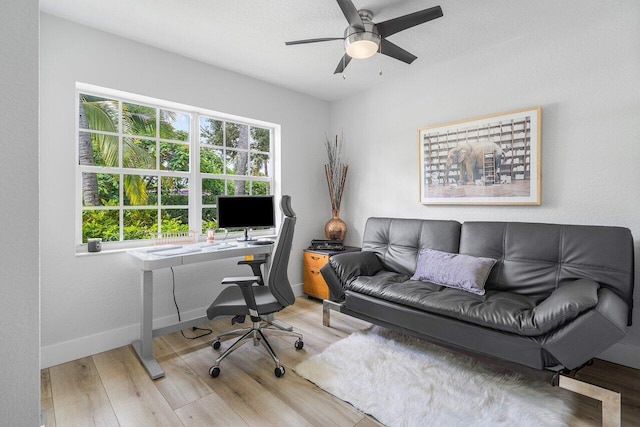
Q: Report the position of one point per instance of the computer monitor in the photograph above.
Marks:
(245, 212)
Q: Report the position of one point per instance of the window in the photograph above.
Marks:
(146, 166)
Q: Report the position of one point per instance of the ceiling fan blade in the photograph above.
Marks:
(351, 13)
(400, 23)
(326, 39)
(394, 51)
(343, 64)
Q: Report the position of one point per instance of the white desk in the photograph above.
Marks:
(157, 257)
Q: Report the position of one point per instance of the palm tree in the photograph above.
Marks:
(102, 114)
(89, 180)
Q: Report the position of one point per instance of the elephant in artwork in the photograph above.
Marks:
(470, 158)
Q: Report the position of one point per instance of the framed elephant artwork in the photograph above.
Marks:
(489, 160)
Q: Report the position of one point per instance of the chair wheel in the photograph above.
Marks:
(214, 371)
(299, 344)
(279, 371)
(215, 344)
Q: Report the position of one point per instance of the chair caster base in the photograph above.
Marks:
(279, 371)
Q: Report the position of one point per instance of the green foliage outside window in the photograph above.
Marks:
(227, 149)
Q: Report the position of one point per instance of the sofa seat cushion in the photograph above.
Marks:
(504, 311)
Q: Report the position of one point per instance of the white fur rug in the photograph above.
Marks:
(403, 381)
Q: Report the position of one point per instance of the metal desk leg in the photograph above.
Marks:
(144, 346)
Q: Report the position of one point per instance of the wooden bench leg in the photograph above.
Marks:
(611, 400)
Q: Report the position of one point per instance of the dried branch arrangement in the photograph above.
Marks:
(335, 171)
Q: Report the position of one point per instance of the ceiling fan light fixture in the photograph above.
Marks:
(361, 45)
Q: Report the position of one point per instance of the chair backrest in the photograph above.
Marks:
(278, 279)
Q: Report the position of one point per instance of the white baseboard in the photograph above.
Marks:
(78, 348)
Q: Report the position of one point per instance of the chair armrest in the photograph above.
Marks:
(246, 284)
(241, 280)
(343, 268)
(255, 267)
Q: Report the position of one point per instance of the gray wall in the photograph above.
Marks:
(91, 303)
(19, 262)
(584, 73)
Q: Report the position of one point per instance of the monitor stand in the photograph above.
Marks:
(246, 237)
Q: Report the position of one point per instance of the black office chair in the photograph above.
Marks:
(250, 297)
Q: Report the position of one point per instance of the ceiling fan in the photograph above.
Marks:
(363, 38)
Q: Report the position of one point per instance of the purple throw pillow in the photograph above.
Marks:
(464, 272)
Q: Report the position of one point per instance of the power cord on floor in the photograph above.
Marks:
(194, 328)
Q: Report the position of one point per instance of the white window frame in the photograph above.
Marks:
(195, 205)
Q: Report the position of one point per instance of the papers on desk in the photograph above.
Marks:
(160, 249)
(173, 250)
(206, 247)
(180, 250)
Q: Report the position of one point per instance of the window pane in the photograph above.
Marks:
(260, 188)
(259, 165)
(259, 139)
(209, 219)
(98, 113)
(97, 150)
(174, 157)
(211, 160)
(238, 187)
(211, 131)
(237, 162)
(211, 188)
(174, 125)
(175, 220)
(99, 189)
(140, 223)
(232, 135)
(100, 223)
(140, 190)
(138, 120)
(175, 191)
(139, 153)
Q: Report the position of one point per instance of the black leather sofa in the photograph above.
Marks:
(557, 296)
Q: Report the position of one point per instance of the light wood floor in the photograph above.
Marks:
(113, 389)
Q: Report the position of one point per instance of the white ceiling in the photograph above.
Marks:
(247, 36)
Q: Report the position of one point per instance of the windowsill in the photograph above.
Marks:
(119, 247)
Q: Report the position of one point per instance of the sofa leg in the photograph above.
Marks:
(327, 306)
(611, 400)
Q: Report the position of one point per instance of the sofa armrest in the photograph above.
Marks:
(593, 332)
(565, 303)
(343, 268)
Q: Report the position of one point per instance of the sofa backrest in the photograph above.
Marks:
(534, 259)
(397, 241)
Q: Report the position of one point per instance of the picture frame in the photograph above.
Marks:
(489, 160)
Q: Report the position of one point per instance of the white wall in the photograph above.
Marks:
(19, 262)
(91, 303)
(584, 74)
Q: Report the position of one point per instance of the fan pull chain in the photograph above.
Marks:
(380, 59)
